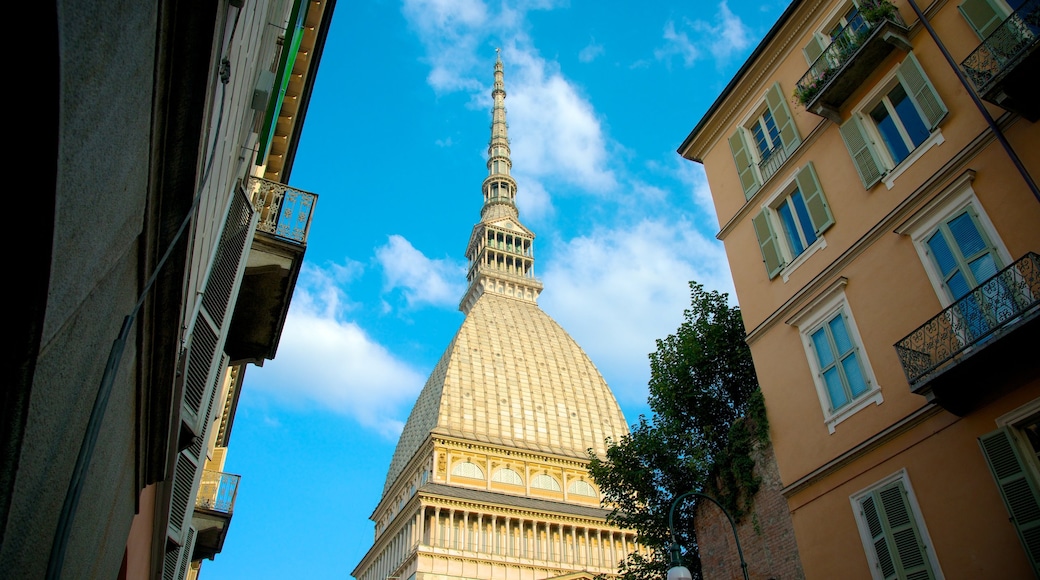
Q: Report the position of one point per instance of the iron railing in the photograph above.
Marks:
(1010, 295)
(1004, 47)
(217, 492)
(841, 50)
(285, 212)
(772, 161)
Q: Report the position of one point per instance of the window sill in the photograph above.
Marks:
(935, 139)
(871, 396)
(816, 246)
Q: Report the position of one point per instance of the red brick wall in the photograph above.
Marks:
(766, 534)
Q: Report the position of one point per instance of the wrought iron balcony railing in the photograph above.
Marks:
(844, 47)
(1004, 47)
(285, 212)
(217, 492)
(1011, 295)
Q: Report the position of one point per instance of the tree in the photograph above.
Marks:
(707, 415)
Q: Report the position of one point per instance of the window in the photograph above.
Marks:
(1013, 456)
(543, 481)
(847, 26)
(506, 475)
(800, 215)
(468, 469)
(761, 144)
(842, 374)
(893, 532)
(582, 487)
(984, 16)
(961, 253)
(896, 125)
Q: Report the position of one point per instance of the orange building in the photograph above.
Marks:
(883, 228)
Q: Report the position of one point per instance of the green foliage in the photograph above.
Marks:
(707, 417)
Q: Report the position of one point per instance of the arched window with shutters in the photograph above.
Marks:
(507, 475)
(546, 482)
(468, 469)
(582, 488)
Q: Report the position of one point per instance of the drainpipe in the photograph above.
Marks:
(978, 103)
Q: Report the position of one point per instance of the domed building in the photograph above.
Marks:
(490, 476)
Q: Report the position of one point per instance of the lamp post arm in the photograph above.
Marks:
(732, 524)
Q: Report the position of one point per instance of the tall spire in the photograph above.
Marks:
(500, 249)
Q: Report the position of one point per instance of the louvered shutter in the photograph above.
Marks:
(1017, 488)
(921, 91)
(745, 167)
(767, 243)
(815, 201)
(176, 563)
(863, 156)
(898, 544)
(211, 324)
(982, 15)
(782, 116)
(813, 50)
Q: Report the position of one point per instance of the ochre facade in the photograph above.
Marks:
(883, 243)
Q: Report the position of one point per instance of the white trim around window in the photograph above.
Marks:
(831, 304)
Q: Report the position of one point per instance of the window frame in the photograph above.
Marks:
(899, 477)
(744, 148)
(864, 139)
(808, 320)
(769, 216)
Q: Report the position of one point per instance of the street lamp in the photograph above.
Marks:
(680, 572)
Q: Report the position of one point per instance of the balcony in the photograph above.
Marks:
(854, 53)
(274, 265)
(1004, 67)
(981, 345)
(213, 508)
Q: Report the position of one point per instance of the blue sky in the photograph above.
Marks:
(600, 95)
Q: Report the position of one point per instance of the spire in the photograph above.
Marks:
(500, 250)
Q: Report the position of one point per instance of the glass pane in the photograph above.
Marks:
(760, 140)
(958, 285)
(774, 133)
(823, 348)
(803, 217)
(854, 374)
(889, 133)
(793, 240)
(983, 268)
(841, 335)
(908, 115)
(941, 253)
(967, 235)
(835, 390)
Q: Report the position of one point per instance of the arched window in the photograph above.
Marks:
(506, 475)
(582, 488)
(543, 481)
(468, 469)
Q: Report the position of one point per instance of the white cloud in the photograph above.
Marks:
(421, 280)
(330, 362)
(617, 291)
(590, 52)
(723, 38)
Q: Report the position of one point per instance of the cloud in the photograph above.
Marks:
(722, 38)
(327, 361)
(421, 280)
(618, 290)
(590, 52)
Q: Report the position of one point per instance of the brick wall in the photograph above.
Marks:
(766, 534)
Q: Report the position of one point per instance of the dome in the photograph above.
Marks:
(512, 376)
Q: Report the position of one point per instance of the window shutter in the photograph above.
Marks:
(982, 16)
(898, 543)
(782, 116)
(921, 91)
(813, 50)
(741, 156)
(863, 157)
(1017, 488)
(767, 243)
(815, 202)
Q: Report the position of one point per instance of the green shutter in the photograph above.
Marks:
(815, 201)
(898, 543)
(782, 116)
(862, 153)
(983, 15)
(767, 243)
(1018, 489)
(742, 157)
(813, 50)
(290, 47)
(921, 91)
